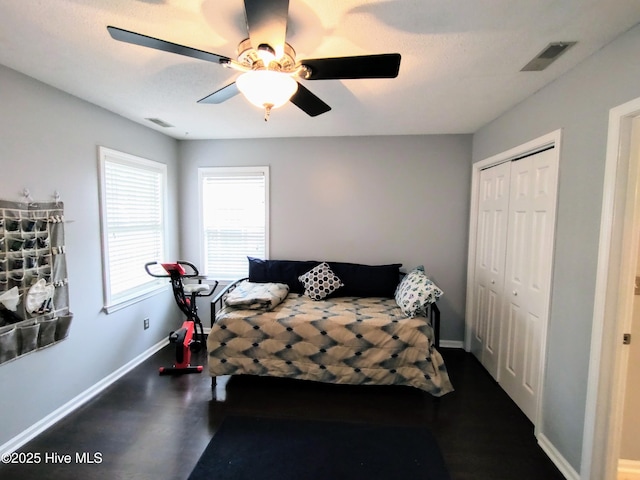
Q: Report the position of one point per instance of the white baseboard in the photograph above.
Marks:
(628, 469)
(451, 344)
(57, 415)
(556, 457)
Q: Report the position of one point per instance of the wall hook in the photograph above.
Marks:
(28, 199)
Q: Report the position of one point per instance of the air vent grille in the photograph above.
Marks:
(547, 56)
(159, 122)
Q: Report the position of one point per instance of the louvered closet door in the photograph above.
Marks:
(488, 283)
(532, 204)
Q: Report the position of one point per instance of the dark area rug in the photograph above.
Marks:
(285, 449)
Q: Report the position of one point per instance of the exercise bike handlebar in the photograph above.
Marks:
(194, 271)
(176, 272)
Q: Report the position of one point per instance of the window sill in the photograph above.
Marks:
(126, 302)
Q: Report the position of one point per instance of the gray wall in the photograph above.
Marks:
(357, 199)
(579, 103)
(48, 142)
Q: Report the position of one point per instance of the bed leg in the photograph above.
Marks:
(219, 387)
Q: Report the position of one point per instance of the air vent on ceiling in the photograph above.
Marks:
(547, 56)
(159, 122)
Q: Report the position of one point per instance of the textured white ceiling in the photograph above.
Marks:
(460, 67)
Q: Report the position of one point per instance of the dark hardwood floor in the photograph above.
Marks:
(147, 427)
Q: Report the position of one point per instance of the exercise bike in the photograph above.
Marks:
(190, 337)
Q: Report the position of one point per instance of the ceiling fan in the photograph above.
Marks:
(268, 63)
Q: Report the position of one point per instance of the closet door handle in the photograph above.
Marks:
(515, 293)
(492, 282)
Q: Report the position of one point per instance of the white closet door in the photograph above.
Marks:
(491, 241)
(532, 204)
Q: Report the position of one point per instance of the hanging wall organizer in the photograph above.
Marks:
(34, 293)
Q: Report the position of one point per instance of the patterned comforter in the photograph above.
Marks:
(350, 340)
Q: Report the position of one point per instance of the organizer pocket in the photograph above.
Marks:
(8, 344)
(47, 333)
(28, 337)
(62, 328)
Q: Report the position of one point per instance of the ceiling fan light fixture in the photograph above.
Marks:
(267, 88)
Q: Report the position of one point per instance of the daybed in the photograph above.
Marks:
(329, 322)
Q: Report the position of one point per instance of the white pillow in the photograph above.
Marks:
(415, 292)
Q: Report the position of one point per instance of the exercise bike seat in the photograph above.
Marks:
(190, 288)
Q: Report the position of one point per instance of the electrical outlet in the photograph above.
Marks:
(146, 323)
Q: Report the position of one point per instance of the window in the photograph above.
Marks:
(132, 202)
(235, 212)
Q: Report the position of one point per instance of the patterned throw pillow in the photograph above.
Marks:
(320, 281)
(415, 292)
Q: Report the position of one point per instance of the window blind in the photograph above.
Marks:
(234, 215)
(133, 211)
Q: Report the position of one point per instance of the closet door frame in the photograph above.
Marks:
(544, 142)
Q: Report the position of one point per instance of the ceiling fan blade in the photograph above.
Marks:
(308, 102)
(222, 95)
(267, 22)
(385, 65)
(156, 43)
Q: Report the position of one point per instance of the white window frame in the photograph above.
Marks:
(113, 302)
(204, 172)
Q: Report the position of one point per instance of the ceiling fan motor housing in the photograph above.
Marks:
(249, 56)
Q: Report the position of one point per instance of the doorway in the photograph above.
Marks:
(629, 461)
(613, 307)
